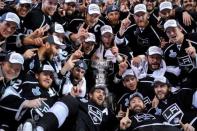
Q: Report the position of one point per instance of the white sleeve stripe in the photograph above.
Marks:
(20, 111)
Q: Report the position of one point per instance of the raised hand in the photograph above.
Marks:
(121, 113)
(30, 53)
(40, 31)
(187, 127)
(2, 5)
(78, 53)
(191, 51)
(68, 65)
(115, 50)
(35, 103)
(125, 122)
(155, 102)
(122, 67)
(75, 91)
(82, 32)
(124, 25)
(187, 19)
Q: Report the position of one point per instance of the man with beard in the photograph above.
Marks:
(105, 58)
(137, 119)
(41, 87)
(75, 79)
(189, 5)
(8, 25)
(79, 28)
(88, 46)
(180, 55)
(141, 35)
(112, 17)
(175, 108)
(91, 114)
(43, 55)
(150, 66)
(66, 12)
(40, 16)
(129, 85)
(151, 6)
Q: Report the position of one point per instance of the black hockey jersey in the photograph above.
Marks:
(74, 25)
(177, 107)
(94, 118)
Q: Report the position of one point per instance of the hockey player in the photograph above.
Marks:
(12, 105)
(112, 17)
(129, 86)
(66, 12)
(166, 11)
(137, 119)
(93, 115)
(8, 24)
(175, 108)
(152, 65)
(21, 8)
(40, 16)
(43, 55)
(75, 79)
(180, 55)
(141, 35)
(79, 28)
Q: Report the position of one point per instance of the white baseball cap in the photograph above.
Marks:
(165, 5)
(105, 29)
(70, 1)
(59, 28)
(140, 8)
(153, 50)
(91, 38)
(128, 72)
(15, 58)
(94, 9)
(47, 68)
(136, 94)
(9, 16)
(25, 1)
(170, 23)
(52, 39)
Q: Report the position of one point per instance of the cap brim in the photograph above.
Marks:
(140, 11)
(156, 53)
(15, 62)
(159, 83)
(10, 20)
(94, 12)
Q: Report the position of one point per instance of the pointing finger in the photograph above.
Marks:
(34, 49)
(127, 113)
(81, 27)
(128, 16)
(80, 47)
(189, 42)
(46, 28)
(87, 28)
(120, 107)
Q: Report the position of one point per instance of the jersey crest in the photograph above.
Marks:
(173, 114)
(95, 114)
